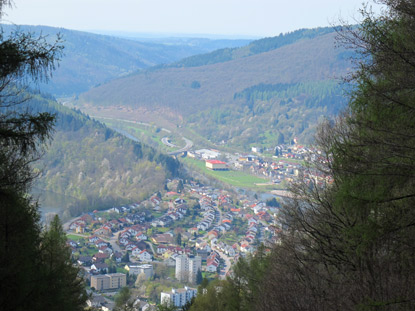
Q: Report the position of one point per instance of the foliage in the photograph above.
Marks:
(273, 202)
(126, 257)
(349, 243)
(36, 272)
(180, 186)
(165, 307)
(199, 277)
(122, 298)
(61, 279)
(348, 240)
(96, 166)
(241, 291)
(19, 224)
(255, 47)
(267, 98)
(271, 114)
(179, 239)
(109, 57)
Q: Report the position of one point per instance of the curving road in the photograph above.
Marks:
(189, 144)
(166, 141)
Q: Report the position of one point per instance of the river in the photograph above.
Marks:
(51, 203)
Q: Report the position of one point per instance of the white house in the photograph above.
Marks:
(140, 236)
(136, 251)
(161, 249)
(145, 256)
(212, 267)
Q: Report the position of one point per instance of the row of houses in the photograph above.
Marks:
(230, 250)
(212, 262)
(208, 218)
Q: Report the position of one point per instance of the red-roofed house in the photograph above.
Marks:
(216, 165)
(100, 257)
(213, 234)
(248, 216)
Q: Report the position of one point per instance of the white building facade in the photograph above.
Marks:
(178, 297)
(187, 268)
(147, 269)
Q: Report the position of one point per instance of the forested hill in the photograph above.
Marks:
(95, 165)
(279, 90)
(91, 59)
(255, 47)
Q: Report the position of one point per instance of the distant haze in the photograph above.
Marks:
(215, 17)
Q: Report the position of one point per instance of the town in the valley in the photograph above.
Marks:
(162, 248)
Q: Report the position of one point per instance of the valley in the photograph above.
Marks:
(263, 98)
(207, 155)
(184, 161)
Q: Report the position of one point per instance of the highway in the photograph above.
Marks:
(189, 144)
(166, 141)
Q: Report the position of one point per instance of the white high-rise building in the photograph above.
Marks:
(178, 297)
(187, 267)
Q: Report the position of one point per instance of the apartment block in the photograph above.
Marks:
(178, 297)
(138, 269)
(187, 267)
(108, 281)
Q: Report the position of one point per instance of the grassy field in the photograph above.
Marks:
(74, 237)
(121, 270)
(233, 178)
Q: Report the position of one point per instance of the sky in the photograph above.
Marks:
(256, 18)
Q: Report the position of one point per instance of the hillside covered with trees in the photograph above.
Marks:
(271, 90)
(91, 59)
(255, 47)
(95, 165)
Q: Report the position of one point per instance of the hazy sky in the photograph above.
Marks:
(230, 17)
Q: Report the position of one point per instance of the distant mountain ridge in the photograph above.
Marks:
(92, 59)
(253, 48)
(305, 60)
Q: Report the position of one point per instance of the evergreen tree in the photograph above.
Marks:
(165, 307)
(122, 299)
(126, 257)
(348, 235)
(241, 291)
(19, 252)
(62, 282)
(180, 186)
(199, 277)
(35, 268)
(348, 243)
(273, 202)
